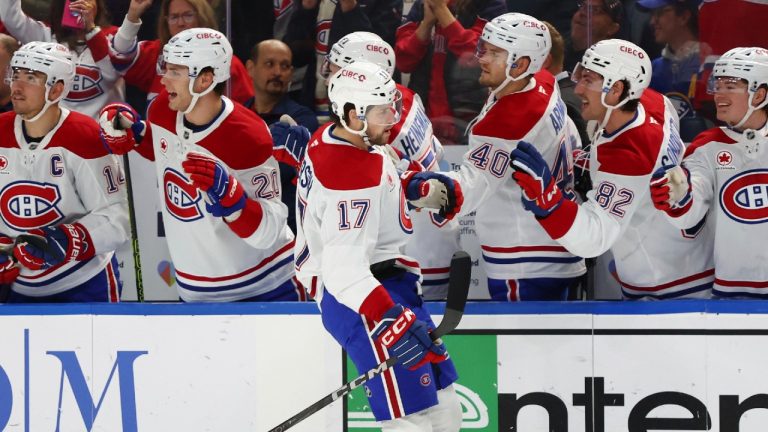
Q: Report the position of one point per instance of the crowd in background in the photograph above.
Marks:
(280, 49)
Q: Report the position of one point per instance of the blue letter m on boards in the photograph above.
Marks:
(123, 364)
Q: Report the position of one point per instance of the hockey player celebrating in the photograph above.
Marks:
(352, 227)
(223, 219)
(522, 262)
(724, 175)
(637, 135)
(60, 185)
(435, 239)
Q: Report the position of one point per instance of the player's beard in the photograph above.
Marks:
(381, 138)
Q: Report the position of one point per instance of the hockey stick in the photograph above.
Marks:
(132, 217)
(458, 287)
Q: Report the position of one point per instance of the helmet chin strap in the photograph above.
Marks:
(751, 109)
(361, 133)
(46, 105)
(196, 95)
(608, 112)
(492, 96)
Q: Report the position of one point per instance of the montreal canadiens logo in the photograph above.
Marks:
(405, 219)
(86, 85)
(26, 205)
(181, 198)
(744, 198)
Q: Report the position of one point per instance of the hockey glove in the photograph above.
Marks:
(225, 194)
(120, 128)
(433, 190)
(57, 244)
(671, 189)
(290, 141)
(541, 196)
(9, 270)
(408, 338)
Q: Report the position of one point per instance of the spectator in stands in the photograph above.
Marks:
(318, 24)
(270, 69)
(139, 60)
(436, 45)
(554, 64)
(594, 20)
(96, 81)
(676, 25)
(8, 46)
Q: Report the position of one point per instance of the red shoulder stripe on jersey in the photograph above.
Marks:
(344, 166)
(633, 152)
(160, 114)
(654, 105)
(248, 221)
(79, 134)
(376, 304)
(559, 222)
(514, 115)
(241, 141)
(710, 135)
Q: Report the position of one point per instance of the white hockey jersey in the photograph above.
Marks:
(729, 174)
(351, 213)
(514, 245)
(96, 83)
(653, 258)
(212, 262)
(67, 177)
(435, 239)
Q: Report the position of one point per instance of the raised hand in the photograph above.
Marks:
(289, 140)
(225, 194)
(427, 189)
(120, 128)
(540, 192)
(671, 189)
(408, 338)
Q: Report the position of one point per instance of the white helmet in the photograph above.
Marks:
(749, 64)
(52, 59)
(365, 86)
(520, 35)
(197, 49)
(361, 46)
(617, 60)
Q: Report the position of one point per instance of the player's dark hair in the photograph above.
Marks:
(347, 107)
(221, 87)
(630, 106)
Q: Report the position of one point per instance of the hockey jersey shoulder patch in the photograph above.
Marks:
(632, 153)
(345, 167)
(710, 135)
(515, 115)
(80, 135)
(242, 140)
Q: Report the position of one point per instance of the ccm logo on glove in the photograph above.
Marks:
(393, 333)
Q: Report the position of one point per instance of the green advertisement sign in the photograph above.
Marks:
(476, 361)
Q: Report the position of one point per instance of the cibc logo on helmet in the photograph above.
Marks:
(633, 51)
(353, 75)
(208, 35)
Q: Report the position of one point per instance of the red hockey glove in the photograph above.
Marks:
(225, 194)
(56, 245)
(407, 337)
(120, 128)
